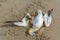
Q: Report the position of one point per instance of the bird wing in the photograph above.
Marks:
(47, 20)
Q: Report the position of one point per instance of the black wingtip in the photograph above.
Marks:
(52, 9)
(10, 21)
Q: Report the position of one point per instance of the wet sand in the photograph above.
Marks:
(13, 10)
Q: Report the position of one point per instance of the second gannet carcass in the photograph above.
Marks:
(37, 22)
(48, 18)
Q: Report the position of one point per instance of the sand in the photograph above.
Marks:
(13, 10)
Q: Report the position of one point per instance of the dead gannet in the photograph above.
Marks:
(37, 22)
(48, 18)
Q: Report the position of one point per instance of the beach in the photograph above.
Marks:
(13, 10)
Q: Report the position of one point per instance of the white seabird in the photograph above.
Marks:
(48, 18)
(37, 22)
